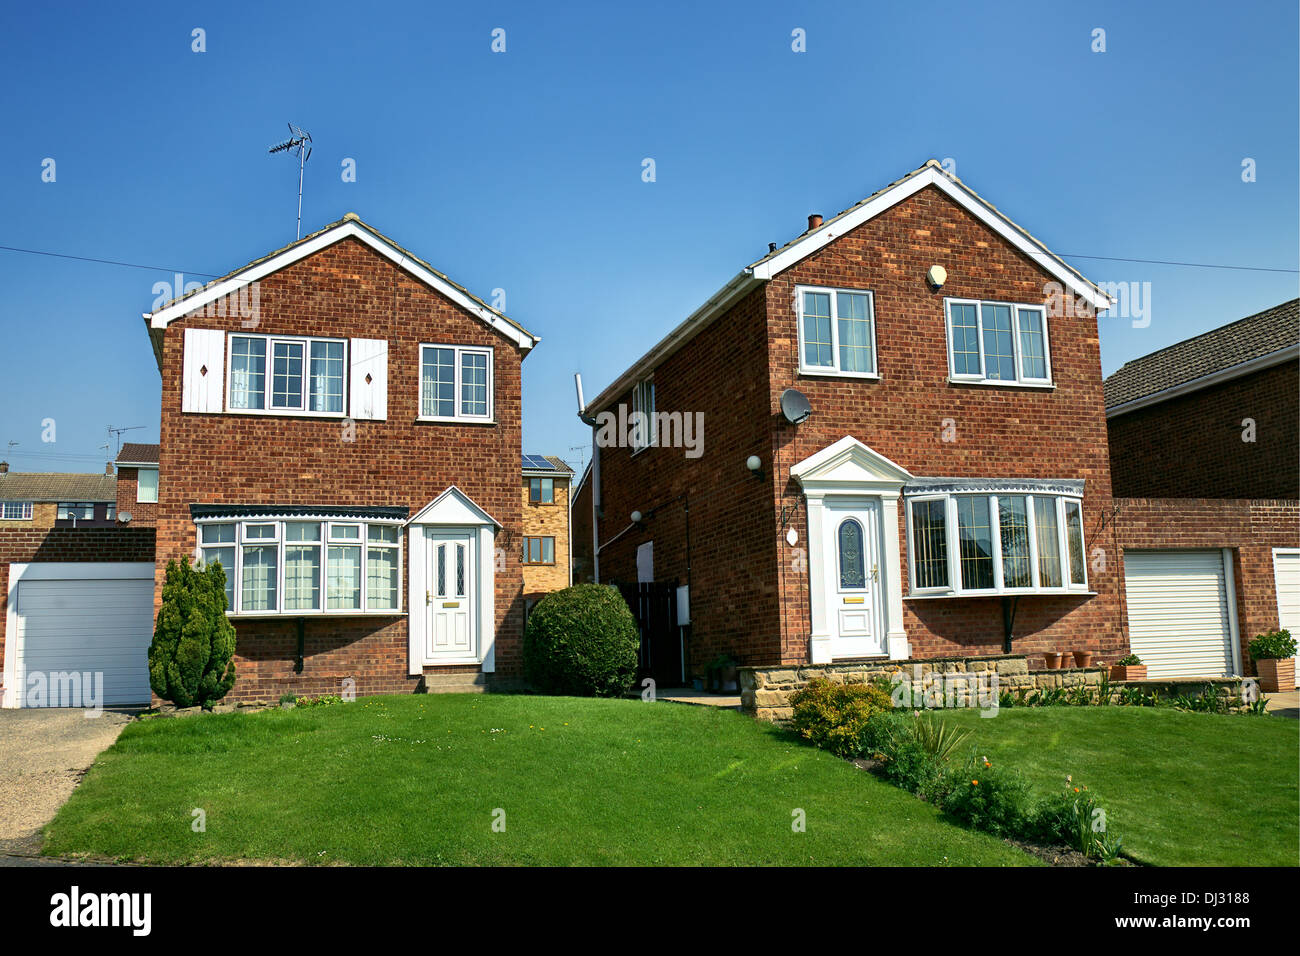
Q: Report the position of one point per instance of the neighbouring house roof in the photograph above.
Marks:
(545, 465)
(298, 511)
(134, 453)
(1239, 348)
(799, 248)
(53, 486)
(350, 226)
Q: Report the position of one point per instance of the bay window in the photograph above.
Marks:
(997, 343)
(1008, 541)
(307, 375)
(306, 566)
(455, 383)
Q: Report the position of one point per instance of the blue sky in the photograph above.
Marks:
(522, 170)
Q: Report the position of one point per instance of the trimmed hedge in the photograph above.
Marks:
(582, 641)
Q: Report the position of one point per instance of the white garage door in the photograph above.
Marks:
(82, 634)
(1178, 616)
(1286, 575)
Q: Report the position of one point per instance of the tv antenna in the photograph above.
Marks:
(115, 434)
(299, 142)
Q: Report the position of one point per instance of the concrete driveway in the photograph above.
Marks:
(43, 755)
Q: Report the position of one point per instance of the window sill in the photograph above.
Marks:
(285, 413)
(1001, 383)
(291, 615)
(434, 420)
(834, 373)
(1040, 592)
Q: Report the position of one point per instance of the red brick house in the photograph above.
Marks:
(948, 494)
(137, 484)
(341, 429)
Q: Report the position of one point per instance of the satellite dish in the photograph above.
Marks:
(794, 406)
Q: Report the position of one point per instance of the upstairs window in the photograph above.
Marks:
(16, 510)
(541, 491)
(645, 431)
(837, 332)
(146, 486)
(455, 383)
(997, 343)
(995, 544)
(283, 374)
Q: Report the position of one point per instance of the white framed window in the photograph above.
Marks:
(286, 375)
(997, 343)
(296, 567)
(146, 486)
(837, 331)
(79, 510)
(455, 383)
(645, 425)
(1005, 543)
(15, 510)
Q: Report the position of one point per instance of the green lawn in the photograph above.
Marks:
(1182, 788)
(416, 780)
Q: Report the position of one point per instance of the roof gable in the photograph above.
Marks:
(848, 463)
(349, 227)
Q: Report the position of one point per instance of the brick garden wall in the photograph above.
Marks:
(1146, 442)
(580, 519)
(347, 290)
(1251, 528)
(38, 545)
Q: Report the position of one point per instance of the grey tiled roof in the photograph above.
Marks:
(136, 453)
(1241, 341)
(49, 486)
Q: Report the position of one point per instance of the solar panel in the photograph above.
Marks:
(537, 462)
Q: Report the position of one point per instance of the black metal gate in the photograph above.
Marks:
(654, 606)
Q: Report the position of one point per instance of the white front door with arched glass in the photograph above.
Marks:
(853, 585)
(450, 596)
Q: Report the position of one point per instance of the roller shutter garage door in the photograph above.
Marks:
(94, 621)
(1178, 618)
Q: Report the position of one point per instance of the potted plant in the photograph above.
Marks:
(1083, 658)
(1274, 656)
(1053, 659)
(1128, 667)
(723, 674)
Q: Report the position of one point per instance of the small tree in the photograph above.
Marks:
(190, 659)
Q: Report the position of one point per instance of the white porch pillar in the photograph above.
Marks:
(895, 635)
(819, 643)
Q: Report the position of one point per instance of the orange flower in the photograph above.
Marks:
(1076, 789)
(974, 783)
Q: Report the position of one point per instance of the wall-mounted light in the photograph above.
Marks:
(936, 276)
(755, 465)
(636, 517)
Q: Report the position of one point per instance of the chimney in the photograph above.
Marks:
(814, 221)
(108, 468)
(4, 467)
(771, 247)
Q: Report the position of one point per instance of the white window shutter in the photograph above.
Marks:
(369, 388)
(203, 371)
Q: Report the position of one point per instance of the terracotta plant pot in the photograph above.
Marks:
(1276, 676)
(1128, 672)
(1083, 658)
(1053, 660)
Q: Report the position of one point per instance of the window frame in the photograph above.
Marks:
(953, 544)
(61, 509)
(457, 381)
(1021, 380)
(306, 342)
(139, 490)
(541, 550)
(541, 485)
(325, 540)
(641, 391)
(26, 510)
(833, 370)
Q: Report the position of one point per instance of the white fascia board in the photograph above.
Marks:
(724, 298)
(931, 176)
(345, 230)
(1290, 353)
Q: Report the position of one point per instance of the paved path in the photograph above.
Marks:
(43, 755)
(702, 698)
(1284, 705)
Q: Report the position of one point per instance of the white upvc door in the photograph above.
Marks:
(1286, 577)
(851, 558)
(450, 596)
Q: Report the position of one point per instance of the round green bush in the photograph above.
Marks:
(582, 641)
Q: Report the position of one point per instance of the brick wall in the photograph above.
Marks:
(1251, 528)
(347, 290)
(1147, 445)
(750, 589)
(580, 534)
(144, 514)
(548, 521)
(33, 545)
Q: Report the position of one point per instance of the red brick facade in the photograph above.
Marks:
(33, 545)
(750, 589)
(347, 290)
(1251, 529)
(143, 514)
(1148, 446)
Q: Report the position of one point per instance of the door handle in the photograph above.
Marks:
(875, 573)
(427, 598)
